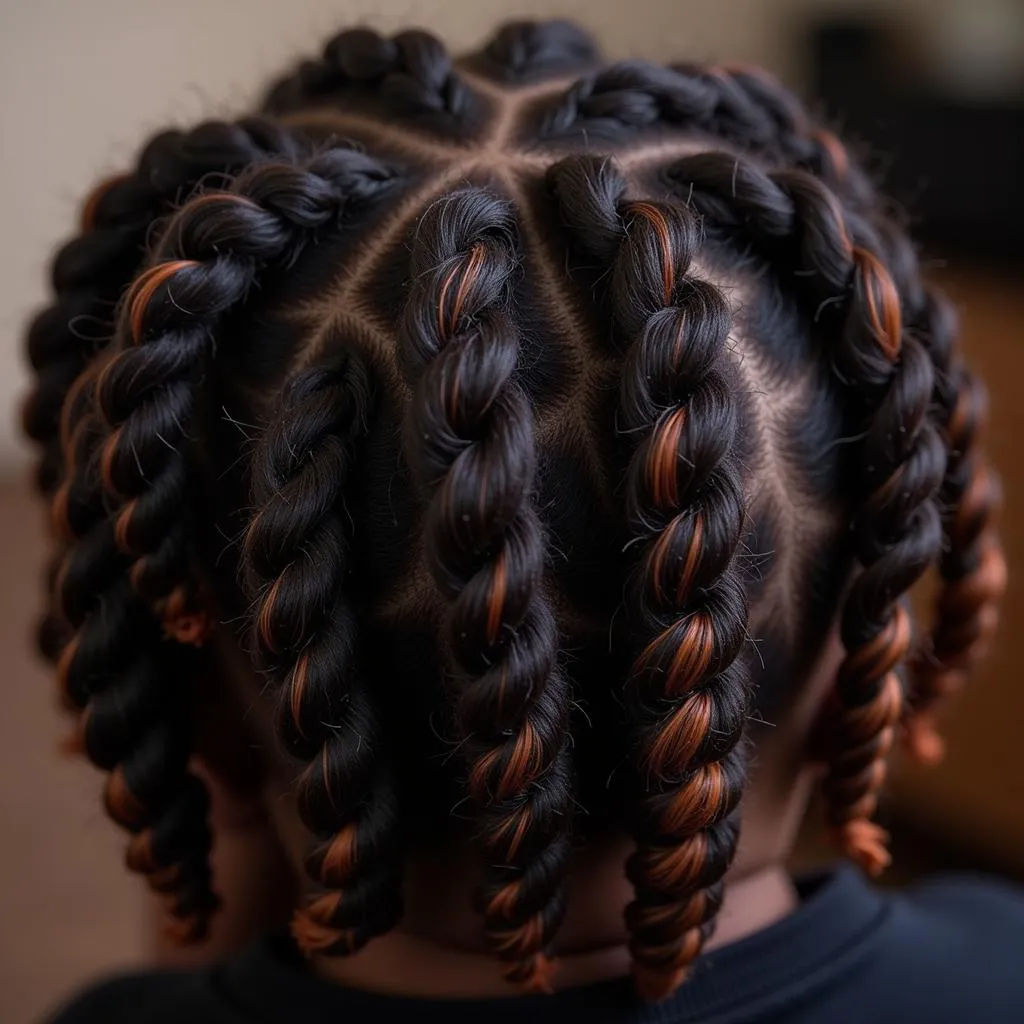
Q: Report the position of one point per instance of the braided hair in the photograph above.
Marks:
(90, 272)
(564, 380)
(685, 503)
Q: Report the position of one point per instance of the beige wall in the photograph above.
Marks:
(82, 82)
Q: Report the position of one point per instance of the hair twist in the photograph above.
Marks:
(525, 49)
(120, 565)
(469, 442)
(132, 707)
(209, 258)
(634, 95)
(973, 567)
(688, 685)
(889, 382)
(90, 272)
(296, 558)
(412, 71)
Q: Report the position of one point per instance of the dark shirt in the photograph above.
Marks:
(949, 950)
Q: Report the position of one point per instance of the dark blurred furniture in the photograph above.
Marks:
(954, 162)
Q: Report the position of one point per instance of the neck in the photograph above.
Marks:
(439, 955)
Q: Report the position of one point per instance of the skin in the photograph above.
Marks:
(437, 950)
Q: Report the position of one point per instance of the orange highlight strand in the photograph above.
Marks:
(677, 868)
(182, 621)
(865, 843)
(470, 271)
(191, 628)
(478, 775)
(143, 289)
(680, 736)
(266, 615)
(654, 984)
(521, 941)
(518, 822)
(87, 218)
(340, 858)
(540, 975)
(697, 804)
(663, 459)
(840, 222)
(496, 605)
(923, 740)
(122, 524)
(523, 763)
(685, 584)
(60, 523)
(656, 218)
(835, 149)
(298, 689)
(692, 656)
(883, 302)
(122, 804)
(656, 558)
(184, 930)
(67, 656)
(73, 744)
(312, 931)
(107, 461)
(883, 652)
(503, 903)
(473, 266)
(139, 856)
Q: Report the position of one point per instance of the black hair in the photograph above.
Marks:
(566, 377)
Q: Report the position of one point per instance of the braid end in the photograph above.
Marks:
(536, 975)
(188, 929)
(923, 741)
(654, 986)
(311, 935)
(72, 744)
(185, 623)
(865, 843)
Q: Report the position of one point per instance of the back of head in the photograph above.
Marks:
(537, 419)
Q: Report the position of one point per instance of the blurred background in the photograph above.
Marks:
(936, 86)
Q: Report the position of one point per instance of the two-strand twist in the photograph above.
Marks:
(688, 687)
(469, 441)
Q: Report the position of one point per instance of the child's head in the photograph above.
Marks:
(532, 425)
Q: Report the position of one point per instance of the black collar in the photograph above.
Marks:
(830, 931)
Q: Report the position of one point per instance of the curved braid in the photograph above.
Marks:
(688, 685)
(524, 49)
(209, 257)
(90, 272)
(135, 722)
(126, 686)
(973, 567)
(889, 379)
(470, 444)
(412, 69)
(637, 94)
(296, 560)
(801, 141)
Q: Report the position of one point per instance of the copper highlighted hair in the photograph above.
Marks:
(502, 426)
